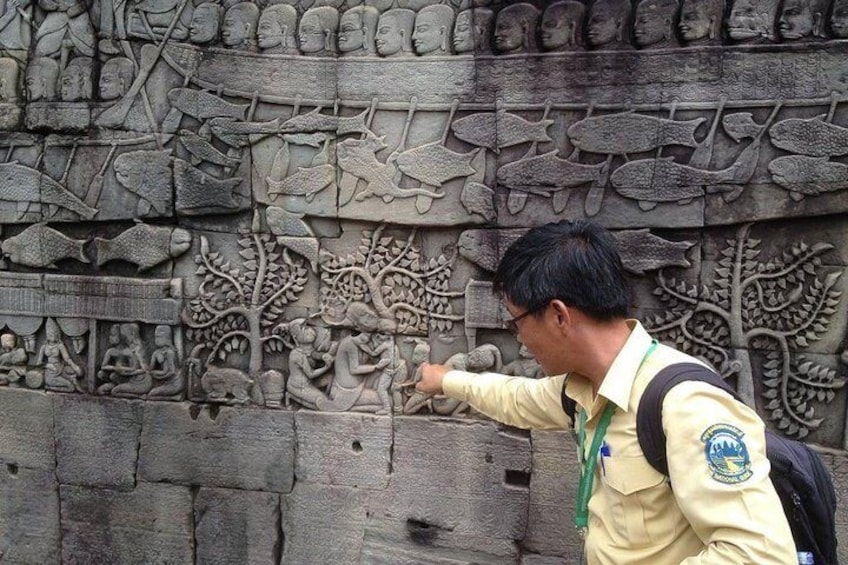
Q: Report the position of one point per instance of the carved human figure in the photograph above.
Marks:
(13, 359)
(76, 82)
(164, 368)
(433, 27)
(317, 31)
(839, 19)
(205, 23)
(358, 31)
(653, 24)
(302, 371)
(42, 76)
(752, 20)
(15, 32)
(802, 19)
(115, 362)
(524, 366)
(515, 29)
(384, 347)
(277, 28)
(608, 26)
(700, 21)
(562, 26)
(394, 33)
(150, 19)
(59, 370)
(137, 379)
(8, 80)
(65, 30)
(239, 28)
(116, 76)
(472, 31)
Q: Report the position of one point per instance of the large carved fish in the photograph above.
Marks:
(147, 174)
(41, 246)
(629, 132)
(235, 133)
(548, 170)
(316, 121)
(23, 185)
(500, 129)
(306, 181)
(435, 164)
(200, 193)
(203, 105)
(201, 150)
(808, 176)
(144, 245)
(282, 222)
(814, 137)
(308, 247)
(663, 180)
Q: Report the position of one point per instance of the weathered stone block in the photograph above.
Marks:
(837, 463)
(251, 449)
(534, 559)
(237, 526)
(343, 449)
(151, 524)
(26, 429)
(29, 516)
(97, 440)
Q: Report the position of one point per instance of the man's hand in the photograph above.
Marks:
(431, 378)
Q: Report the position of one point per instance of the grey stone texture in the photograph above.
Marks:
(26, 429)
(29, 516)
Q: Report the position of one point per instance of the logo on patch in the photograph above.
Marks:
(727, 455)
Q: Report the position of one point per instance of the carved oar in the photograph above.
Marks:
(517, 199)
(347, 181)
(595, 196)
(422, 201)
(280, 164)
(390, 161)
(834, 102)
(703, 154)
(95, 187)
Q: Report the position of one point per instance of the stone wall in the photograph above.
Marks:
(232, 231)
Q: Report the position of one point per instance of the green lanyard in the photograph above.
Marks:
(587, 473)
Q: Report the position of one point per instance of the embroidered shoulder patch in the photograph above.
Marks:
(726, 453)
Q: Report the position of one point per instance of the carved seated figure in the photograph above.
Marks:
(42, 76)
(136, 379)
(472, 30)
(700, 21)
(150, 19)
(839, 19)
(13, 359)
(115, 362)
(358, 31)
(653, 24)
(239, 29)
(802, 20)
(562, 26)
(277, 28)
(433, 27)
(302, 372)
(394, 33)
(205, 23)
(752, 21)
(515, 29)
(76, 82)
(317, 31)
(56, 368)
(164, 367)
(609, 24)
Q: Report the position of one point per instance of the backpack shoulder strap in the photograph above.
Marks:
(649, 414)
(569, 406)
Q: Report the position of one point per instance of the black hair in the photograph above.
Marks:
(575, 262)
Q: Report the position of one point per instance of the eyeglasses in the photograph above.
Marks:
(512, 324)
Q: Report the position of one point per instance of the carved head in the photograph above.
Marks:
(76, 81)
(801, 18)
(240, 25)
(420, 352)
(116, 76)
(51, 329)
(482, 358)
(8, 341)
(515, 29)
(131, 334)
(115, 334)
(472, 29)
(8, 80)
(277, 27)
(301, 333)
(752, 20)
(163, 336)
(562, 25)
(317, 31)
(205, 22)
(394, 32)
(653, 22)
(42, 74)
(608, 23)
(433, 26)
(357, 31)
(700, 20)
(362, 317)
(839, 19)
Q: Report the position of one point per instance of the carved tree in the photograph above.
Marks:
(392, 276)
(780, 305)
(238, 308)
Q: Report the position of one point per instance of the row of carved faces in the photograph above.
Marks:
(46, 81)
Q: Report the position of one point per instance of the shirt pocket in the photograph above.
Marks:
(640, 506)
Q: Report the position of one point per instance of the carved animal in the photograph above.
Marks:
(283, 222)
(198, 192)
(477, 198)
(306, 181)
(41, 246)
(808, 176)
(481, 247)
(144, 245)
(434, 164)
(201, 150)
(147, 174)
(548, 170)
(203, 105)
(25, 185)
(234, 132)
(629, 132)
(305, 246)
(500, 129)
(740, 125)
(220, 382)
(814, 137)
(316, 121)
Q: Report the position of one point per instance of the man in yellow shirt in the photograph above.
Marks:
(565, 288)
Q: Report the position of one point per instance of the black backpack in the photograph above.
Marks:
(801, 480)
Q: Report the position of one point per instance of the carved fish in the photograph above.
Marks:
(663, 180)
(814, 137)
(282, 222)
(306, 246)
(147, 174)
(629, 132)
(310, 139)
(23, 185)
(200, 193)
(41, 246)
(201, 150)
(434, 164)
(808, 176)
(740, 125)
(477, 198)
(307, 182)
(144, 245)
(485, 248)
(500, 129)
(316, 121)
(203, 105)
(548, 170)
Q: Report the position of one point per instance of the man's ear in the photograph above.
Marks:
(562, 313)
